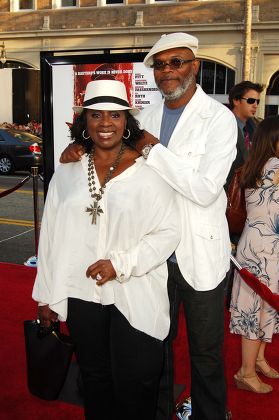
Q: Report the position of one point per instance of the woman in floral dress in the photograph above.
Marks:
(258, 251)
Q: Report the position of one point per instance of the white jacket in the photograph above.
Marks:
(196, 164)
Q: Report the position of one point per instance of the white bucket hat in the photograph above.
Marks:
(106, 95)
(169, 41)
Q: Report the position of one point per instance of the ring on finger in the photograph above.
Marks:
(98, 277)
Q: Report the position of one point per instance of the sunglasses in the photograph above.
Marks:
(173, 63)
(251, 101)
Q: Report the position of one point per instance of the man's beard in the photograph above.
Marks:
(180, 90)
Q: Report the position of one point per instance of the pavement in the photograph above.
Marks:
(17, 233)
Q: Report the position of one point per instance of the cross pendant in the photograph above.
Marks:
(94, 211)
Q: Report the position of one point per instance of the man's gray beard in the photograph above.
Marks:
(179, 92)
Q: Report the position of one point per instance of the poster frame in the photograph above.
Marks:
(48, 60)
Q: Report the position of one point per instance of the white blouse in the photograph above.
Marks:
(137, 231)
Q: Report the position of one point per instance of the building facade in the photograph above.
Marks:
(29, 27)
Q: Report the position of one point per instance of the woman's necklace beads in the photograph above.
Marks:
(95, 210)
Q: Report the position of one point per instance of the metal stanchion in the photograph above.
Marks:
(32, 261)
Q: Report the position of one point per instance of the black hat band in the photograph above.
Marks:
(101, 99)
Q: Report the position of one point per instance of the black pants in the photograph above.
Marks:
(204, 312)
(120, 366)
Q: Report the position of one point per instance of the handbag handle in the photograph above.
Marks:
(44, 331)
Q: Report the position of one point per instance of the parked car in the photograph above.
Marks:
(19, 150)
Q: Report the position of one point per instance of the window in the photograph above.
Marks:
(114, 1)
(16, 65)
(220, 79)
(158, 1)
(68, 3)
(273, 87)
(108, 2)
(26, 4)
(56, 4)
(272, 96)
(215, 78)
(207, 76)
(18, 5)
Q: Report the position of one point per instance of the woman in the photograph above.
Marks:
(106, 234)
(258, 251)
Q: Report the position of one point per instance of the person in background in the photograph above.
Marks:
(104, 242)
(258, 251)
(193, 156)
(244, 99)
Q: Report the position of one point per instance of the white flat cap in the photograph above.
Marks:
(168, 41)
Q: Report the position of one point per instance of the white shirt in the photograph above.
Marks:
(196, 164)
(138, 231)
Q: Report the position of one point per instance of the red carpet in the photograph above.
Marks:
(16, 403)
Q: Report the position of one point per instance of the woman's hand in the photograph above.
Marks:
(102, 271)
(46, 315)
(72, 153)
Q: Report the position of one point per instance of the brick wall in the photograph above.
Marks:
(183, 13)
(44, 4)
(87, 3)
(153, 15)
(4, 6)
(269, 10)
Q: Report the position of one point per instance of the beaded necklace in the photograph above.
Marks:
(95, 210)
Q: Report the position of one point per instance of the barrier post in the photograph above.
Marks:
(35, 173)
(32, 261)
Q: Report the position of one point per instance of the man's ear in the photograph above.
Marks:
(196, 66)
(236, 102)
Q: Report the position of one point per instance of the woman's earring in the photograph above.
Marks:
(83, 135)
(128, 134)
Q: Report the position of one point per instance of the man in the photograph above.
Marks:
(244, 100)
(194, 157)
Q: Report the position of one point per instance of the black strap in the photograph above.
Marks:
(101, 99)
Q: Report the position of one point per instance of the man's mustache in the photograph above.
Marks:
(166, 78)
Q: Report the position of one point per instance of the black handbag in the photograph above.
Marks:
(236, 206)
(48, 356)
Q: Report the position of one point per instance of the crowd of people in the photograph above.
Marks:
(155, 236)
(32, 127)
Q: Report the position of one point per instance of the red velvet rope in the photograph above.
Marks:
(261, 289)
(16, 187)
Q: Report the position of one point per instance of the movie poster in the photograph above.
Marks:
(69, 84)
(139, 81)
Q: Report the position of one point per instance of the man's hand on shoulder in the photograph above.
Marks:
(146, 139)
(72, 153)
